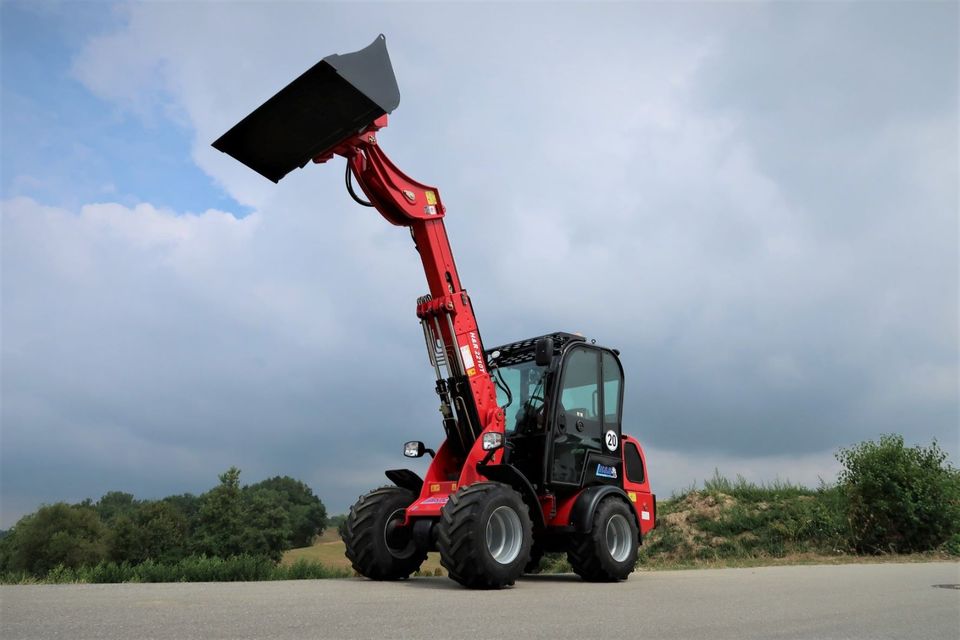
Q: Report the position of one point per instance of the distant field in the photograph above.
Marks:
(329, 551)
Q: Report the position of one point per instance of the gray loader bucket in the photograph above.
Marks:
(332, 101)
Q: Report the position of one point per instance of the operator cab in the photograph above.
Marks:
(562, 400)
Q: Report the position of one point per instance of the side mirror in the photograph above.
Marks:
(544, 351)
(415, 449)
(492, 440)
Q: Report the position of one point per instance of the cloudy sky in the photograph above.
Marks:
(756, 203)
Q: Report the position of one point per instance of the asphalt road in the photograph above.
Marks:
(851, 601)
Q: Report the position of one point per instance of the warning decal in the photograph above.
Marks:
(468, 362)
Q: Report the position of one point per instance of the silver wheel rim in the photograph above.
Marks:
(504, 535)
(618, 537)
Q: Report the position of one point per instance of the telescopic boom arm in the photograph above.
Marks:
(467, 392)
(336, 108)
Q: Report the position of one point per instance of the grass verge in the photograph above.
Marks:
(329, 551)
(743, 524)
(193, 569)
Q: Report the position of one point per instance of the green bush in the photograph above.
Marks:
(263, 519)
(899, 499)
(220, 521)
(306, 570)
(229, 521)
(185, 503)
(150, 530)
(57, 536)
(555, 563)
(952, 546)
(305, 512)
(108, 572)
(338, 522)
(267, 529)
(61, 574)
(114, 504)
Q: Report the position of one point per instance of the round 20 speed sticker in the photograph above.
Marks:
(611, 440)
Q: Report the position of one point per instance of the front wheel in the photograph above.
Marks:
(378, 545)
(609, 551)
(484, 536)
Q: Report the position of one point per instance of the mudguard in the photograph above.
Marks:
(581, 516)
(510, 475)
(405, 479)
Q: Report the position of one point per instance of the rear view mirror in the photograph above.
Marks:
(415, 449)
(544, 351)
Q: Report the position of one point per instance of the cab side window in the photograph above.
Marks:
(634, 463)
(578, 391)
(579, 416)
(612, 384)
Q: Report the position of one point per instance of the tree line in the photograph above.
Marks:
(889, 498)
(258, 520)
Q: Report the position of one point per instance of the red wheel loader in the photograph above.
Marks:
(533, 460)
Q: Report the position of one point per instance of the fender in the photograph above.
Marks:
(509, 474)
(405, 479)
(581, 516)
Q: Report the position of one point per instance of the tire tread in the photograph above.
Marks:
(588, 555)
(456, 536)
(360, 537)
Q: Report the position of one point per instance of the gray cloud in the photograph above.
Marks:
(756, 204)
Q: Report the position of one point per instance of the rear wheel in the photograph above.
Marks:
(484, 536)
(378, 545)
(609, 551)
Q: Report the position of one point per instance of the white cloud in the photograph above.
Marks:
(612, 170)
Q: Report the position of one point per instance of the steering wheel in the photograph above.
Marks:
(533, 418)
(542, 407)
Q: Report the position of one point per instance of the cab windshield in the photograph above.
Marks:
(520, 394)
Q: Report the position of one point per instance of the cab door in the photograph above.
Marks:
(612, 394)
(586, 425)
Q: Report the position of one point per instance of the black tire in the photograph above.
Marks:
(462, 536)
(536, 555)
(377, 547)
(601, 555)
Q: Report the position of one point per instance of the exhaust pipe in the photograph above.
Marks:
(334, 100)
